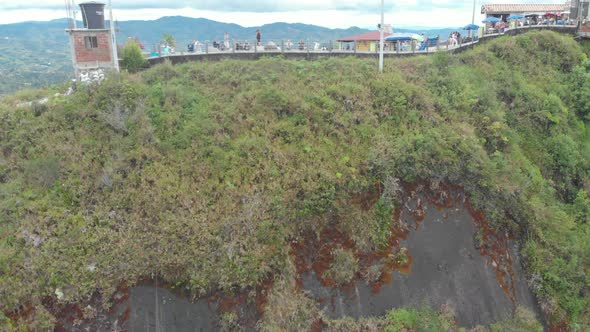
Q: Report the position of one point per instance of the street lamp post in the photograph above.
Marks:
(114, 54)
(381, 44)
(472, 21)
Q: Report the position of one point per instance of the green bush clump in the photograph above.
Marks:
(422, 319)
(133, 60)
(523, 321)
(344, 267)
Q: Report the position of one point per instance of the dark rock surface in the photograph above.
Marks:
(155, 309)
(447, 269)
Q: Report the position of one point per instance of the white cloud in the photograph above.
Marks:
(223, 5)
(329, 13)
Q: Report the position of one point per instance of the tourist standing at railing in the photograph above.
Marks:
(453, 39)
(258, 36)
(226, 40)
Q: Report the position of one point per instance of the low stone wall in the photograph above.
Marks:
(182, 58)
(315, 55)
(93, 75)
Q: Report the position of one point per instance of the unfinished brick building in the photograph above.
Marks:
(91, 46)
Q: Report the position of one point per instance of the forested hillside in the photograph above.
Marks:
(204, 173)
(35, 54)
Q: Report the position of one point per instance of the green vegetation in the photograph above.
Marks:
(425, 319)
(170, 41)
(202, 173)
(523, 321)
(132, 59)
(287, 308)
(344, 266)
(419, 320)
(40, 58)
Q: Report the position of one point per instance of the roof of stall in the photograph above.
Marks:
(524, 8)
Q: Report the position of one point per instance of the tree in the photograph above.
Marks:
(133, 60)
(169, 39)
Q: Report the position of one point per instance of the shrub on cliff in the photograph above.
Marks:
(133, 60)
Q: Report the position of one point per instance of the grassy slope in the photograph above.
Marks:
(201, 172)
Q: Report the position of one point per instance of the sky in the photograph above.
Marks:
(328, 13)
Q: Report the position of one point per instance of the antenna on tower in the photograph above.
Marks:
(71, 13)
(113, 37)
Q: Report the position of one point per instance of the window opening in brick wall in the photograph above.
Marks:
(91, 42)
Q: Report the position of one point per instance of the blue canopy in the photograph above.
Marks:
(491, 19)
(471, 27)
(399, 36)
(515, 17)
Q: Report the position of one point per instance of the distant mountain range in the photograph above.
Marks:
(37, 53)
(185, 29)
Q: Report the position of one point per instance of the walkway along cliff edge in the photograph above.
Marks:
(316, 55)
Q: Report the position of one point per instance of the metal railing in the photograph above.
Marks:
(307, 46)
(274, 46)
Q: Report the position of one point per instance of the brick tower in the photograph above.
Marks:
(91, 46)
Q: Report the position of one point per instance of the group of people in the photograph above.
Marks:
(454, 39)
(529, 21)
(300, 45)
(222, 46)
(288, 44)
(548, 20)
(166, 49)
(196, 46)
